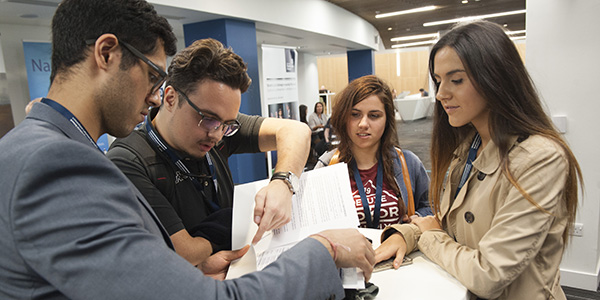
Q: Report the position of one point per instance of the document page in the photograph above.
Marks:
(323, 201)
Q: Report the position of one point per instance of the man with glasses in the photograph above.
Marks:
(156, 76)
(178, 158)
(74, 227)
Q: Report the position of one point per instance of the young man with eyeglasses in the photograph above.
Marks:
(178, 158)
(74, 227)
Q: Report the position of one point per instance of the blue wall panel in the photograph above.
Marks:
(360, 63)
(241, 37)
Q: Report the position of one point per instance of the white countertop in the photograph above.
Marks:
(422, 279)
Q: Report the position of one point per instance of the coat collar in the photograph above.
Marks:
(45, 113)
(488, 161)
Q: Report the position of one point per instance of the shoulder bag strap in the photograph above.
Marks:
(335, 158)
(406, 177)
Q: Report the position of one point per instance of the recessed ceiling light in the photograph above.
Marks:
(508, 13)
(465, 1)
(404, 12)
(29, 16)
(389, 28)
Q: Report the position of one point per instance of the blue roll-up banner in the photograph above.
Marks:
(38, 62)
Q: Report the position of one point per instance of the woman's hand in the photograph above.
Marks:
(394, 245)
(427, 223)
(408, 219)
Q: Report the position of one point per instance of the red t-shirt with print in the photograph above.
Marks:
(390, 212)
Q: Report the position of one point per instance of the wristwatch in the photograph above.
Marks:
(289, 178)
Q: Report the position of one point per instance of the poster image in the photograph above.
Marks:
(284, 110)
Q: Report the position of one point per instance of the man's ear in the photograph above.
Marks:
(171, 98)
(106, 51)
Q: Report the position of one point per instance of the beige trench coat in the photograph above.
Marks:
(495, 242)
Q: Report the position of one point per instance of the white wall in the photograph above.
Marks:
(14, 60)
(4, 99)
(308, 80)
(2, 66)
(316, 16)
(563, 59)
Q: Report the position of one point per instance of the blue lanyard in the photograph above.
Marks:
(469, 165)
(69, 116)
(176, 160)
(363, 195)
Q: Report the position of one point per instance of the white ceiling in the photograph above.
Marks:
(12, 12)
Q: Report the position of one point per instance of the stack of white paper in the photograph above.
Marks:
(324, 201)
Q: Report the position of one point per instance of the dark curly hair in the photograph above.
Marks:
(207, 59)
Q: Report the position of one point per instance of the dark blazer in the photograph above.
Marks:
(74, 227)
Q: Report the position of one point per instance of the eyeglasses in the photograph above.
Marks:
(157, 81)
(229, 128)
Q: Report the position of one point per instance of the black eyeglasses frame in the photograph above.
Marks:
(229, 128)
(162, 75)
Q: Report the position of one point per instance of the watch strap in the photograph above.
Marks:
(285, 176)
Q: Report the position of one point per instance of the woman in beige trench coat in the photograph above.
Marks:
(502, 214)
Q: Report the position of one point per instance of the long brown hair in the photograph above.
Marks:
(355, 92)
(494, 66)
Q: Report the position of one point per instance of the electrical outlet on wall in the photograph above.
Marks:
(577, 229)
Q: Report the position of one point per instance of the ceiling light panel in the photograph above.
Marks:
(471, 18)
(414, 44)
(415, 37)
(404, 12)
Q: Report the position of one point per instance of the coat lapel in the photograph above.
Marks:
(47, 114)
(150, 211)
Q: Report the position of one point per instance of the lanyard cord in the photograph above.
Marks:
(363, 195)
(176, 160)
(69, 116)
(469, 165)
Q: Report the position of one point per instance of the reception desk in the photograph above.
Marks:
(413, 107)
(422, 279)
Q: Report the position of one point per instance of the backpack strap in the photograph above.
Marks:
(157, 170)
(411, 200)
